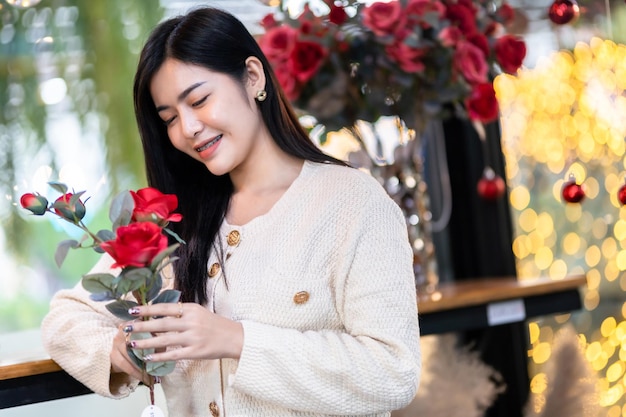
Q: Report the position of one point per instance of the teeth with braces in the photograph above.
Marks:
(200, 149)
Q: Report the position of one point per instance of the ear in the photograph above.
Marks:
(256, 76)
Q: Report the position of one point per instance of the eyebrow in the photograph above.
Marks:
(182, 95)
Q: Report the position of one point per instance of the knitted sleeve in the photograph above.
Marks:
(373, 365)
(78, 334)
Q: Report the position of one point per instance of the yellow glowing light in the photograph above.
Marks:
(528, 220)
(543, 257)
(615, 371)
(558, 269)
(541, 353)
(593, 279)
(619, 230)
(520, 198)
(591, 300)
(521, 247)
(573, 212)
(545, 224)
(608, 326)
(539, 383)
(533, 332)
(599, 228)
(611, 271)
(571, 243)
(593, 256)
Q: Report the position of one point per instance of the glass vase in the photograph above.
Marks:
(393, 154)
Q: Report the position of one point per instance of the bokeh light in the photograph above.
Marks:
(565, 118)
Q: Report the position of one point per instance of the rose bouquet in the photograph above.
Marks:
(417, 59)
(138, 243)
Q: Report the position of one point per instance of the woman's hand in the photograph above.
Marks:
(185, 331)
(120, 362)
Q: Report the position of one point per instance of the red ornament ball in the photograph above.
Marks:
(621, 194)
(490, 186)
(563, 12)
(572, 192)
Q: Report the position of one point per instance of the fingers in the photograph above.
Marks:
(175, 310)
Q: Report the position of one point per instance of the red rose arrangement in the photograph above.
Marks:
(415, 59)
(138, 244)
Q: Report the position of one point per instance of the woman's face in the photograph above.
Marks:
(209, 116)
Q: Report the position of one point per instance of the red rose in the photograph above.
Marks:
(305, 59)
(287, 81)
(36, 204)
(506, 13)
(470, 62)
(69, 210)
(409, 59)
(135, 245)
(510, 53)
(337, 15)
(482, 104)
(479, 40)
(269, 21)
(462, 16)
(278, 42)
(417, 10)
(382, 18)
(450, 36)
(153, 206)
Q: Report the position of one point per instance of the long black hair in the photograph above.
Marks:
(217, 41)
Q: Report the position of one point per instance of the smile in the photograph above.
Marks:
(209, 144)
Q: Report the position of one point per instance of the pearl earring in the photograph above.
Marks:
(261, 95)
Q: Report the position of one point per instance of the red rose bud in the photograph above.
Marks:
(71, 209)
(135, 245)
(337, 15)
(151, 205)
(35, 203)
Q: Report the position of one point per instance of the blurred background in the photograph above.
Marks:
(66, 114)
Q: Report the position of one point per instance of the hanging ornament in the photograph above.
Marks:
(563, 12)
(572, 192)
(490, 186)
(621, 193)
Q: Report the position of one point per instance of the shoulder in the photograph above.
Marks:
(343, 179)
(340, 188)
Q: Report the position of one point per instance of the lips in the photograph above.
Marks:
(208, 144)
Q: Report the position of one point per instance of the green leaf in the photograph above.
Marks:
(155, 287)
(121, 210)
(136, 360)
(102, 296)
(126, 285)
(162, 255)
(62, 249)
(135, 274)
(167, 296)
(105, 235)
(58, 186)
(97, 283)
(120, 308)
(75, 198)
(174, 235)
(160, 368)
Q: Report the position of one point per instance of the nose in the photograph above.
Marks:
(191, 125)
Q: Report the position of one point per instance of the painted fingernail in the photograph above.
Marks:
(132, 344)
(128, 328)
(147, 358)
(133, 311)
(157, 379)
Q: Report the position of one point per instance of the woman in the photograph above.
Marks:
(296, 277)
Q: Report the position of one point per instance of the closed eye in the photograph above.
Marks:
(199, 102)
(169, 121)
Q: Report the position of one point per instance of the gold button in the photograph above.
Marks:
(215, 410)
(233, 238)
(301, 297)
(214, 270)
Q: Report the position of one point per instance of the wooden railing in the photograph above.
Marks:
(453, 307)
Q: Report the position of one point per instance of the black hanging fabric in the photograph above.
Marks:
(477, 243)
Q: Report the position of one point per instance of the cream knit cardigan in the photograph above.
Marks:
(348, 344)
